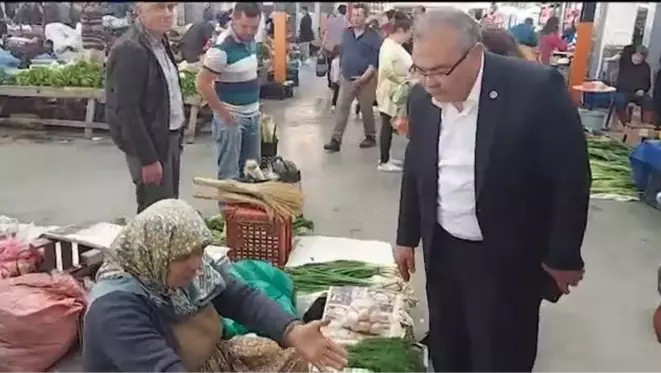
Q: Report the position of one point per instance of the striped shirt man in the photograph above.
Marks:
(92, 31)
(235, 63)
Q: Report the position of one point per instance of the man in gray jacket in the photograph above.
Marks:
(144, 104)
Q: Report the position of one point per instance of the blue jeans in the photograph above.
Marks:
(622, 99)
(235, 144)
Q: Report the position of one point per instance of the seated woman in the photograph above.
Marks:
(156, 306)
(633, 84)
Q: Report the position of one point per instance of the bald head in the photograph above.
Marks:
(446, 18)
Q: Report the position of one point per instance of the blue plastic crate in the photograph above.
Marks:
(597, 100)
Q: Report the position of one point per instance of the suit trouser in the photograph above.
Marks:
(148, 194)
(479, 321)
(366, 97)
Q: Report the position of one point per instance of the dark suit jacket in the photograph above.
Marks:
(137, 98)
(532, 175)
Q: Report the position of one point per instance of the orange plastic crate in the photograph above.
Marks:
(251, 235)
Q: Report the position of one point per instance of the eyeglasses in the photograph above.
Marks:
(434, 71)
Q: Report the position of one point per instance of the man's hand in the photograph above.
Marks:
(640, 92)
(356, 85)
(405, 259)
(152, 173)
(320, 351)
(656, 320)
(227, 117)
(565, 279)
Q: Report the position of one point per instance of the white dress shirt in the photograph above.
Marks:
(456, 166)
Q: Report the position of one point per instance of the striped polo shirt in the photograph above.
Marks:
(235, 62)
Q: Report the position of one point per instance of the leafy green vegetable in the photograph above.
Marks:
(216, 225)
(77, 74)
(386, 355)
(611, 171)
(313, 277)
(187, 78)
(302, 226)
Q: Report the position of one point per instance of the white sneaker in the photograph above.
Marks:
(397, 162)
(332, 109)
(389, 167)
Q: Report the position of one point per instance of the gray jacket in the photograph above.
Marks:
(137, 99)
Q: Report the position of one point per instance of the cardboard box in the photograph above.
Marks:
(635, 134)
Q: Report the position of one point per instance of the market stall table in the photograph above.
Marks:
(92, 95)
(594, 119)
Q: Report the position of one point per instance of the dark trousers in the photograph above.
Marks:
(148, 194)
(335, 87)
(329, 61)
(478, 320)
(385, 137)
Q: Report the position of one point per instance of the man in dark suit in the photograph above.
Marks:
(496, 184)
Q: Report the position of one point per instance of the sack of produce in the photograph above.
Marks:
(17, 258)
(39, 318)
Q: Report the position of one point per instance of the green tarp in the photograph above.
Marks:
(261, 275)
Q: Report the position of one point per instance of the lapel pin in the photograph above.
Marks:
(493, 95)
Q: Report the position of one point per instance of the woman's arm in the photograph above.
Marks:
(393, 67)
(252, 308)
(559, 44)
(118, 328)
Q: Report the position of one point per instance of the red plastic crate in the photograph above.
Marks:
(252, 235)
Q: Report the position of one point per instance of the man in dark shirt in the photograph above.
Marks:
(305, 33)
(194, 41)
(359, 60)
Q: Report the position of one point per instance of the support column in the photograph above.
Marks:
(280, 43)
(297, 18)
(579, 65)
(653, 33)
(316, 23)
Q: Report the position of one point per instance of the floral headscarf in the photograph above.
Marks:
(167, 230)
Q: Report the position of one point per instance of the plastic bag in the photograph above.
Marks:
(322, 66)
(261, 275)
(39, 318)
(63, 37)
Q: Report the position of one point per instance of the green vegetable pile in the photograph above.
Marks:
(611, 171)
(216, 225)
(187, 78)
(78, 74)
(386, 355)
(302, 226)
(314, 277)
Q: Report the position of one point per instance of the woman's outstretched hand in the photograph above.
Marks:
(316, 347)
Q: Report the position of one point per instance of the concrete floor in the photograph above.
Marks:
(605, 325)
